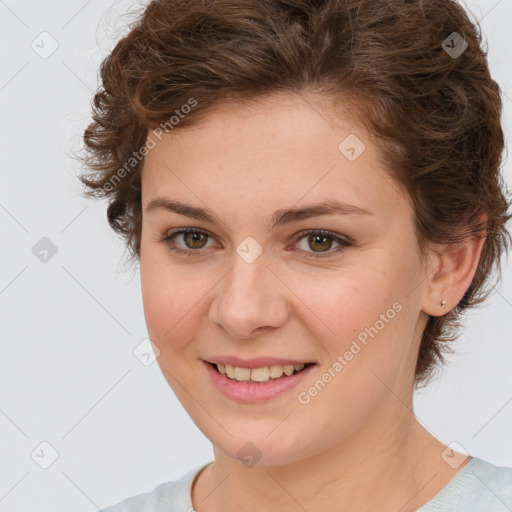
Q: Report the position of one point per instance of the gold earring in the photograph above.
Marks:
(443, 304)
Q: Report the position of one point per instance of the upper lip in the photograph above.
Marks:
(257, 362)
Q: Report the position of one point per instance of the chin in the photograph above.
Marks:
(258, 448)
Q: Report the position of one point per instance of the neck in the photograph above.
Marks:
(393, 468)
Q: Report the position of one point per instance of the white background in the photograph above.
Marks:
(69, 326)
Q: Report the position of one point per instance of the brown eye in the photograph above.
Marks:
(318, 243)
(195, 240)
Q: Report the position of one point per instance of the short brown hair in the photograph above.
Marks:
(435, 115)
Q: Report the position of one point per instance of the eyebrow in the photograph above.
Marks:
(279, 218)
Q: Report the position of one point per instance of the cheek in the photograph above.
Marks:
(164, 297)
(174, 301)
(363, 319)
(347, 302)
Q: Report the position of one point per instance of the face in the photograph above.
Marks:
(254, 284)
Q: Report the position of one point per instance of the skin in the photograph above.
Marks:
(356, 445)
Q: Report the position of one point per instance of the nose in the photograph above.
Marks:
(250, 299)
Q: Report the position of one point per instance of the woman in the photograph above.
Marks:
(312, 190)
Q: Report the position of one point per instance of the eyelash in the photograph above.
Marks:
(344, 243)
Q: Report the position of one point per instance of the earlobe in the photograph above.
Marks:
(451, 275)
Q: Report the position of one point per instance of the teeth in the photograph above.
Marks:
(230, 371)
(242, 373)
(276, 370)
(263, 374)
(260, 374)
(288, 369)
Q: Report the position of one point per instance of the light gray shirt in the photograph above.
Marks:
(478, 487)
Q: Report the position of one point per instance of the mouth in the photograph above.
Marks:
(259, 383)
(262, 375)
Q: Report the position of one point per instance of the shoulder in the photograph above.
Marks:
(172, 496)
(479, 486)
(497, 480)
(156, 500)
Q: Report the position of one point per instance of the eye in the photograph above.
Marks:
(194, 239)
(319, 240)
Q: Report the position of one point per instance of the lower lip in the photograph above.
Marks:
(250, 392)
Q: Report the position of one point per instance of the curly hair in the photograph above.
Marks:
(412, 72)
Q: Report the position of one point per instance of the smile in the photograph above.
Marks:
(259, 375)
(251, 385)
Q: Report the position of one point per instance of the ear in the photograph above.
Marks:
(451, 271)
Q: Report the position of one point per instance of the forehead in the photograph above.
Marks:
(277, 151)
